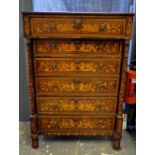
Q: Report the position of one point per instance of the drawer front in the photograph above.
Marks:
(76, 86)
(50, 66)
(76, 123)
(76, 47)
(75, 26)
(76, 105)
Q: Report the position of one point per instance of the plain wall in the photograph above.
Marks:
(23, 91)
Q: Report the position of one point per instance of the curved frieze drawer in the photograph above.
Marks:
(81, 26)
(78, 26)
(51, 26)
(50, 66)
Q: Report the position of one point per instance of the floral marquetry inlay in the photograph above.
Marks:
(76, 85)
(78, 65)
(51, 26)
(76, 105)
(110, 27)
(77, 47)
(76, 123)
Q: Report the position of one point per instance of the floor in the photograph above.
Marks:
(74, 146)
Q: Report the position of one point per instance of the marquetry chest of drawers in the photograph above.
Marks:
(76, 73)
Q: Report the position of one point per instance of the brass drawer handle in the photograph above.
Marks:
(101, 66)
(100, 47)
(76, 100)
(102, 85)
(78, 23)
(99, 106)
(55, 106)
(102, 27)
(77, 61)
(52, 27)
(77, 44)
(98, 124)
(77, 81)
(76, 120)
(53, 45)
(54, 86)
(53, 66)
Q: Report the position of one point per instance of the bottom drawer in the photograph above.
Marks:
(76, 123)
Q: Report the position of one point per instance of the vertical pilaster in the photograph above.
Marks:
(119, 116)
(33, 114)
(123, 78)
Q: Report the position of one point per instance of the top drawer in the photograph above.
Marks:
(81, 26)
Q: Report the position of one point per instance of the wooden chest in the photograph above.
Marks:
(76, 73)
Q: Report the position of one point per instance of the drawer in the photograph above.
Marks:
(76, 86)
(50, 66)
(75, 26)
(51, 123)
(77, 48)
(76, 105)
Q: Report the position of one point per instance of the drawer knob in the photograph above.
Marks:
(53, 66)
(53, 45)
(77, 81)
(77, 61)
(52, 27)
(102, 27)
